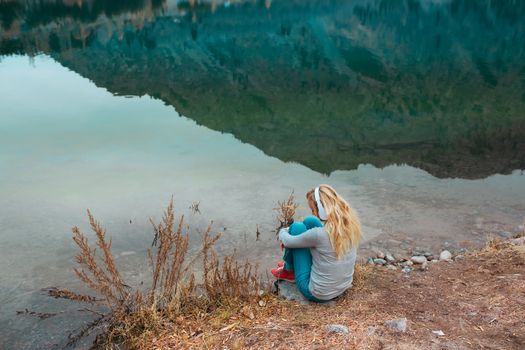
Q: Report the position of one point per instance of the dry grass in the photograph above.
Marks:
(478, 303)
(286, 211)
(134, 315)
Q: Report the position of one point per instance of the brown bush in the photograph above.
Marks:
(133, 314)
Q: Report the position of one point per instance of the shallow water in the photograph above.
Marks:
(92, 121)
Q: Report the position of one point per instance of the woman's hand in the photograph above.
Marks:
(283, 230)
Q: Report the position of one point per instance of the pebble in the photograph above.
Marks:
(406, 269)
(418, 259)
(505, 234)
(380, 261)
(397, 325)
(289, 291)
(518, 241)
(390, 258)
(391, 267)
(371, 330)
(434, 261)
(445, 255)
(424, 266)
(406, 263)
(439, 333)
(370, 261)
(337, 328)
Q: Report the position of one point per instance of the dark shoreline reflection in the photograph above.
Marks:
(328, 84)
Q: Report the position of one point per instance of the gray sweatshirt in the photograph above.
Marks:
(330, 276)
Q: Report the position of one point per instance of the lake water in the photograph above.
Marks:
(413, 110)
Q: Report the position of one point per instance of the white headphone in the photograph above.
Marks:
(320, 208)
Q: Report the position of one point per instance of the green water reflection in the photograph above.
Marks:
(328, 84)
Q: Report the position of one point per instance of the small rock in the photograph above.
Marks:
(398, 325)
(337, 328)
(518, 241)
(371, 330)
(406, 269)
(379, 261)
(505, 234)
(389, 258)
(262, 303)
(406, 263)
(445, 255)
(430, 257)
(427, 254)
(439, 333)
(434, 261)
(424, 266)
(370, 261)
(260, 293)
(289, 291)
(391, 267)
(418, 259)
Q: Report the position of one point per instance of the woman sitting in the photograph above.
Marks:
(321, 251)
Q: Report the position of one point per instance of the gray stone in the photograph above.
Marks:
(445, 255)
(370, 261)
(505, 234)
(289, 291)
(398, 325)
(337, 328)
(406, 263)
(518, 241)
(424, 266)
(406, 269)
(418, 259)
(391, 267)
(389, 258)
(379, 261)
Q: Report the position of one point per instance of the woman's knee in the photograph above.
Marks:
(297, 228)
(312, 221)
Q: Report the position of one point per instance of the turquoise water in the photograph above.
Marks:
(399, 105)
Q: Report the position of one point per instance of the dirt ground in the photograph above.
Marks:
(477, 301)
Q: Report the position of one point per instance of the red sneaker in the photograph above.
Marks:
(281, 274)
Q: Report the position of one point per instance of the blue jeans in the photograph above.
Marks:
(299, 260)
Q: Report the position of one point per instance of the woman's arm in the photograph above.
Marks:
(306, 239)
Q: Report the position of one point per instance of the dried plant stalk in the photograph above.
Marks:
(286, 211)
(60, 293)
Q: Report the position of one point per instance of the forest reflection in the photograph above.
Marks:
(369, 81)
